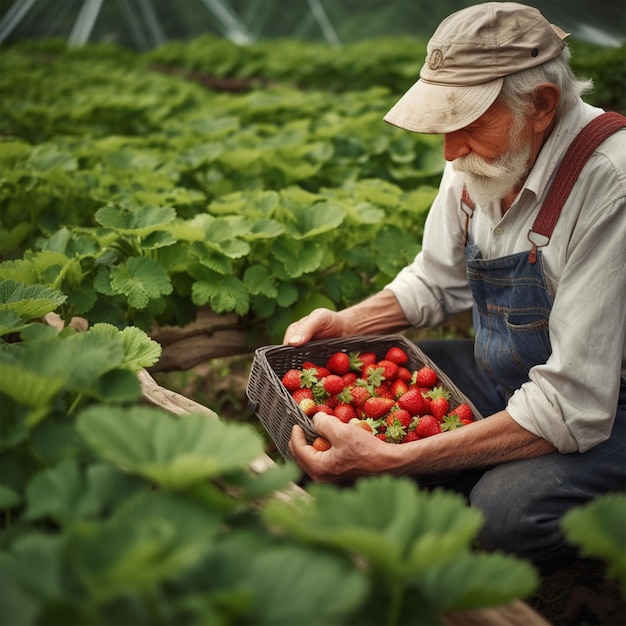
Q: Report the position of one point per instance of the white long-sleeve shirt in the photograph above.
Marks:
(571, 399)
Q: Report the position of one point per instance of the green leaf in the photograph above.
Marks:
(311, 221)
(140, 279)
(151, 539)
(139, 350)
(138, 221)
(257, 279)
(173, 452)
(225, 294)
(29, 301)
(23, 595)
(66, 495)
(298, 257)
(477, 580)
(397, 528)
(294, 585)
(598, 528)
(8, 498)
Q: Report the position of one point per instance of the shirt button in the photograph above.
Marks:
(499, 230)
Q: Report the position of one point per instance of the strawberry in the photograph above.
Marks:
(300, 394)
(401, 416)
(376, 407)
(333, 384)
(464, 412)
(384, 390)
(390, 369)
(396, 355)
(338, 363)
(410, 436)
(291, 380)
(321, 444)
(395, 432)
(405, 374)
(309, 377)
(411, 401)
(367, 358)
(426, 377)
(426, 400)
(324, 408)
(427, 426)
(439, 402)
(345, 412)
(308, 406)
(398, 388)
(451, 422)
(381, 436)
(361, 424)
(349, 379)
(360, 394)
(373, 374)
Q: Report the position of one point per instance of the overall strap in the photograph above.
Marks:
(579, 151)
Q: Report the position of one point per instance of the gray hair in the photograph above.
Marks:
(519, 86)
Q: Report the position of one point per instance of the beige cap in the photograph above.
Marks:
(466, 60)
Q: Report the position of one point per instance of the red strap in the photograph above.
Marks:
(572, 163)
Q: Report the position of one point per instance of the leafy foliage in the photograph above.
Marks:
(129, 514)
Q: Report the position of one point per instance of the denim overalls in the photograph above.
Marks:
(512, 303)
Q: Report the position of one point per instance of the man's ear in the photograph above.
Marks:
(545, 102)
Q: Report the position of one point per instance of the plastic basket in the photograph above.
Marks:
(271, 402)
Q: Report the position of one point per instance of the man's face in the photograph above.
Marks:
(494, 153)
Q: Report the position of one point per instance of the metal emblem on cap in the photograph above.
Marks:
(435, 59)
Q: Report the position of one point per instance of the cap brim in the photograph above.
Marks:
(431, 108)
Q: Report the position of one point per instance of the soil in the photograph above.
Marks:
(579, 595)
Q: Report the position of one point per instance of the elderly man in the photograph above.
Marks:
(543, 269)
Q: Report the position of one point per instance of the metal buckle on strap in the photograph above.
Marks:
(537, 240)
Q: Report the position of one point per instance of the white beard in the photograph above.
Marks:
(491, 181)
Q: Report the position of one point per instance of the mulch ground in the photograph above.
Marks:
(580, 595)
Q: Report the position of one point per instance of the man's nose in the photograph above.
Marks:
(455, 145)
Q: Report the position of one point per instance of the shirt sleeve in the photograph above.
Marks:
(571, 400)
(435, 284)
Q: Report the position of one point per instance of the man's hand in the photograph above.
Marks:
(319, 324)
(354, 452)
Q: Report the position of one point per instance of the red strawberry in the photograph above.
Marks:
(426, 377)
(396, 355)
(426, 399)
(411, 401)
(359, 395)
(300, 394)
(427, 426)
(338, 363)
(324, 408)
(333, 384)
(405, 374)
(321, 444)
(410, 436)
(292, 379)
(345, 412)
(399, 388)
(377, 407)
(349, 379)
(373, 374)
(390, 369)
(401, 416)
(439, 402)
(322, 372)
(384, 390)
(381, 436)
(367, 358)
(464, 413)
